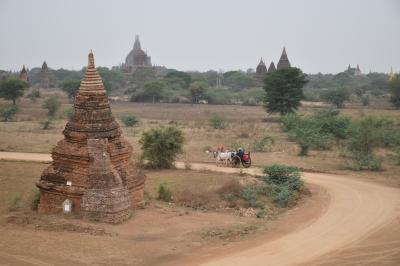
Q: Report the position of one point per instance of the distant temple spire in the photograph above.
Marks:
(283, 61)
(136, 46)
(44, 65)
(44, 76)
(137, 57)
(272, 67)
(23, 75)
(261, 68)
(354, 70)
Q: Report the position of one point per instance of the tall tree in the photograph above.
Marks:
(52, 105)
(336, 97)
(12, 89)
(284, 90)
(71, 87)
(153, 90)
(175, 75)
(197, 90)
(395, 91)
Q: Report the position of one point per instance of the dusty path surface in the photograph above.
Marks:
(358, 211)
(25, 156)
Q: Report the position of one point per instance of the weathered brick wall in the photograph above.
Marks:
(78, 159)
(107, 195)
(52, 202)
(106, 205)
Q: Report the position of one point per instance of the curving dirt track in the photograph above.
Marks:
(357, 211)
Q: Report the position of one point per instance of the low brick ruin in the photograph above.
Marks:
(92, 166)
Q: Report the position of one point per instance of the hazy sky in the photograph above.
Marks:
(320, 36)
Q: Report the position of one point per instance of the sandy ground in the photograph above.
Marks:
(359, 225)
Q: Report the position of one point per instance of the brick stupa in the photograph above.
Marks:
(92, 166)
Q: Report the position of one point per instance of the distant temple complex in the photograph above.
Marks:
(283, 61)
(354, 70)
(23, 75)
(137, 57)
(44, 76)
(262, 70)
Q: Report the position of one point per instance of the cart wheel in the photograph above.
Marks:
(247, 164)
(236, 161)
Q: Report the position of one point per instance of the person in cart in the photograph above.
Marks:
(240, 153)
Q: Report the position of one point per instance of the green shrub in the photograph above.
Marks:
(46, 124)
(367, 134)
(217, 122)
(71, 87)
(367, 162)
(164, 192)
(396, 155)
(34, 95)
(251, 97)
(365, 100)
(15, 204)
(129, 120)
(331, 122)
(336, 97)
(261, 214)
(278, 174)
(8, 112)
(160, 146)
(285, 183)
(250, 195)
(309, 135)
(316, 131)
(262, 143)
(35, 200)
(283, 195)
(289, 121)
(52, 105)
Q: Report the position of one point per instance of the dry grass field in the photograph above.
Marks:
(244, 126)
(164, 232)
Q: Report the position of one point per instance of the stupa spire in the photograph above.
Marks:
(272, 67)
(91, 60)
(137, 46)
(261, 68)
(283, 61)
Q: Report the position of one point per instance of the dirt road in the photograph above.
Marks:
(357, 211)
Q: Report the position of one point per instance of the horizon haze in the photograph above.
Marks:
(319, 36)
